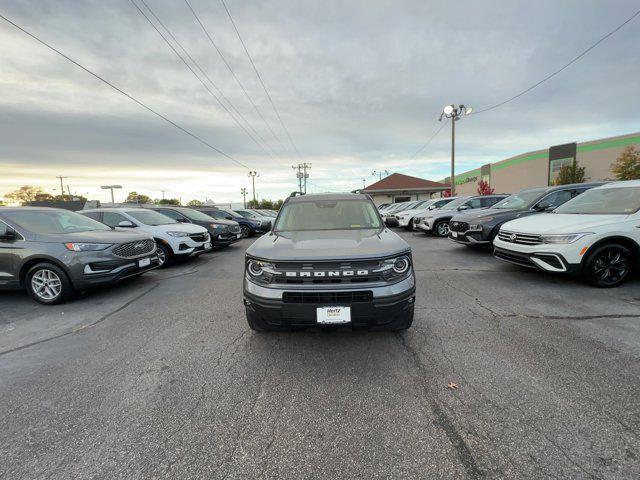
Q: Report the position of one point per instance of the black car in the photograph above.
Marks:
(248, 226)
(223, 232)
(52, 253)
(478, 229)
(329, 261)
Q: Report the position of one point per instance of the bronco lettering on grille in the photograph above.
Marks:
(332, 273)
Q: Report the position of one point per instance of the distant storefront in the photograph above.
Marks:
(403, 188)
(541, 167)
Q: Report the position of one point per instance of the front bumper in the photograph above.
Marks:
(391, 221)
(424, 226)
(469, 238)
(224, 239)
(108, 272)
(370, 306)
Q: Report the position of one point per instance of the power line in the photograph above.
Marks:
(233, 73)
(106, 82)
(193, 71)
(551, 75)
(434, 135)
(220, 92)
(264, 87)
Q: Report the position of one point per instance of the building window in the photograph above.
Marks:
(555, 166)
(405, 198)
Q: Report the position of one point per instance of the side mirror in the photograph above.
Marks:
(181, 220)
(126, 224)
(229, 217)
(543, 207)
(8, 234)
(463, 207)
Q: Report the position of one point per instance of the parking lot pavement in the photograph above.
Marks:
(505, 373)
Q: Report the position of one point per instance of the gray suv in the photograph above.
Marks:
(329, 261)
(52, 253)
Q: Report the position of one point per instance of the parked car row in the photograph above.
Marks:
(52, 253)
(591, 230)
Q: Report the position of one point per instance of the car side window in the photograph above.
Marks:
(578, 191)
(489, 201)
(556, 199)
(93, 215)
(3, 229)
(217, 214)
(112, 219)
(173, 214)
(474, 203)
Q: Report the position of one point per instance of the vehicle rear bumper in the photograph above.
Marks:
(370, 307)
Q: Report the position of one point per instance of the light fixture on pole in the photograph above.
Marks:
(253, 176)
(380, 173)
(243, 191)
(454, 113)
(111, 187)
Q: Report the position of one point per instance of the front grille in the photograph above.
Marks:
(513, 257)
(308, 272)
(234, 229)
(134, 249)
(519, 238)
(199, 237)
(458, 226)
(331, 298)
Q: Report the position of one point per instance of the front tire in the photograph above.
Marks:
(245, 231)
(608, 265)
(409, 225)
(165, 256)
(441, 228)
(48, 284)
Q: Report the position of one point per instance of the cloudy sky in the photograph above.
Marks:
(358, 85)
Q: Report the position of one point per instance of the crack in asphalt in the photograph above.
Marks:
(463, 452)
(83, 327)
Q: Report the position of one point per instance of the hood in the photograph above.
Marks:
(119, 235)
(223, 221)
(545, 223)
(327, 245)
(440, 213)
(494, 213)
(181, 227)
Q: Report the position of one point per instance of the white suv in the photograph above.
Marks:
(595, 235)
(174, 239)
(407, 217)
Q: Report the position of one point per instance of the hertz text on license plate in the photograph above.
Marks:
(145, 262)
(334, 315)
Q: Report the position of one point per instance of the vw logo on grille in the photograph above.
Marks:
(513, 237)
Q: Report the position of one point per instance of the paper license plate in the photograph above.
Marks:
(145, 262)
(332, 315)
(238, 235)
(454, 234)
(207, 245)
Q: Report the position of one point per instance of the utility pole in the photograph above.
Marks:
(253, 176)
(163, 193)
(69, 191)
(243, 191)
(61, 185)
(363, 183)
(375, 172)
(454, 113)
(302, 175)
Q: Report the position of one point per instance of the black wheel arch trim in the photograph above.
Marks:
(627, 242)
(34, 260)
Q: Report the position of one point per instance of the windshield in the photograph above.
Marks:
(195, 215)
(604, 201)
(150, 217)
(520, 200)
(328, 215)
(52, 222)
(246, 214)
(453, 204)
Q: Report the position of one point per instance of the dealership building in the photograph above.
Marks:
(541, 167)
(403, 188)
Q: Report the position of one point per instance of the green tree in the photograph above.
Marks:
(168, 201)
(135, 197)
(573, 173)
(195, 203)
(26, 193)
(627, 166)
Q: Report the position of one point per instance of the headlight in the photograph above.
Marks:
(178, 234)
(568, 238)
(215, 226)
(87, 247)
(395, 266)
(474, 227)
(259, 269)
(401, 265)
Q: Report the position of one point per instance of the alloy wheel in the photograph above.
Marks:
(611, 265)
(46, 284)
(244, 230)
(161, 257)
(443, 229)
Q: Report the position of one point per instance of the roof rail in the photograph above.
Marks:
(293, 194)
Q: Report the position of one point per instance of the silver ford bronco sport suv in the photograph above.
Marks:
(329, 260)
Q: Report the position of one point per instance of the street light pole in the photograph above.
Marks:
(243, 191)
(454, 113)
(253, 176)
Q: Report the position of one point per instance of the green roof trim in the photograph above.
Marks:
(588, 147)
